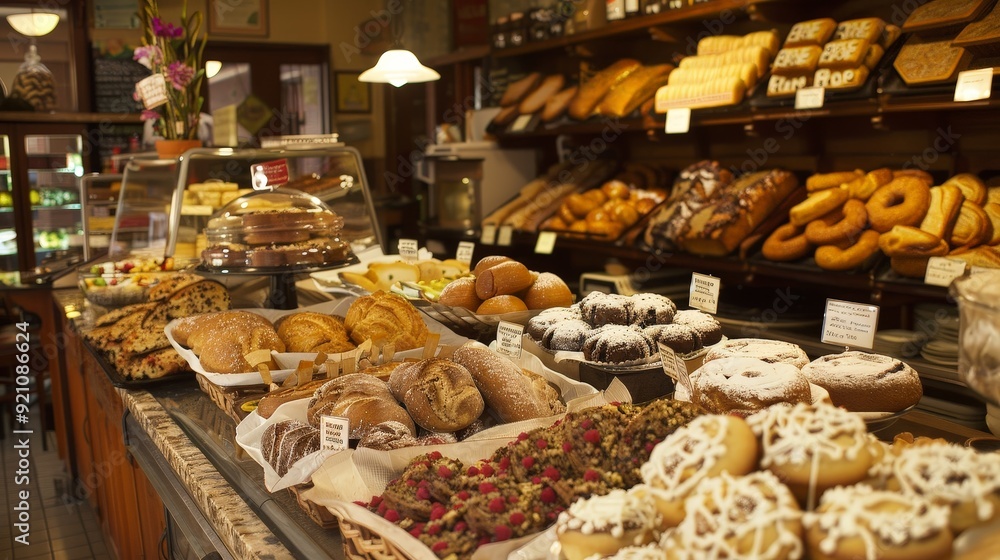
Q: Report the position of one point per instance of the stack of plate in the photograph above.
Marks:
(938, 323)
(898, 342)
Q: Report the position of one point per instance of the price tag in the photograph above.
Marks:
(974, 85)
(941, 271)
(674, 367)
(152, 91)
(849, 324)
(810, 98)
(489, 235)
(546, 242)
(705, 293)
(678, 121)
(333, 432)
(408, 249)
(509, 339)
(269, 174)
(521, 123)
(505, 236)
(465, 250)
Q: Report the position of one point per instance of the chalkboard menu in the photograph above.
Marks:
(115, 75)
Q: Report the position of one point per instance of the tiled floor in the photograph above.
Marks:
(61, 528)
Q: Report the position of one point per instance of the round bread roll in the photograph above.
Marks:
(503, 279)
(221, 340)
(548, 290)
(461, 292)
(863, 382)
(488, 262)
(511, 392)
(498, 305)
(734, 384)
(361, 398)
(439, 394)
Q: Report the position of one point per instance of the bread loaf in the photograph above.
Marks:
(517, 90)
(203, 296)
(308, 331)
(167, 286)
(535, 100)
(930, 61)
(498, 305)
(746, 72)
(221, 340)
(439, 394)
(460, 292)
(637, 87)
(488, 262)
(283, 443)
(756, 55)
(593, 91)
(557, 105)
(503, 279)
(812, 32)
(744, 205)
(361, 398)
(508, 391)
(386, 317)
(719, 44)
(154, 365)
(548, 290)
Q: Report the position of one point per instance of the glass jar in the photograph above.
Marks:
(978, 297)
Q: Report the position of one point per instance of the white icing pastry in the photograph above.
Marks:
(615, 513)
(682, 460)
(798, 434)
(950, 475)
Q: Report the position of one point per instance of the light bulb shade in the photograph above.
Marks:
(33, 24)
(212, 68)
(398, 67)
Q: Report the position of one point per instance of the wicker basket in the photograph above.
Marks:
(361, 543)
(319, 514)
(230, 399)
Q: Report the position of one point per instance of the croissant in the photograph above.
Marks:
(308, 331)
(387, 317)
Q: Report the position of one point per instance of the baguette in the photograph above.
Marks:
(637, 87)
(517, 90)
(536, 100)
(746, 72)
(593, 91)
(724, 91)
(557, 105)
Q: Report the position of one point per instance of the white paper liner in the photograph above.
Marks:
(338, 307)
(362, 473)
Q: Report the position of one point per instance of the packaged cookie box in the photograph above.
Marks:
(359, 474)
(287, 360)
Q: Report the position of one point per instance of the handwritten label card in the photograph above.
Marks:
(506, 235)
(678, 121)
(408, 249)
(942, 271)
(674, 366)
(509, 339)
(489, 235)
(809, 98)
(465, 250)
(705, 293)
(849, 324)
(974, 85)
(333, 432)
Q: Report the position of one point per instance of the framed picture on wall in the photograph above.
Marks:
(237, 17)
(352, 96)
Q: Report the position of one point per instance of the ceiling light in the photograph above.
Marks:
(33, 24)
(398, 67)
(212, 68)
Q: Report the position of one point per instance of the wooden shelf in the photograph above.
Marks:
(464, 54)
(637, 25)
(95, 118)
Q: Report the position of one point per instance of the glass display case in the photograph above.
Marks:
(8, 229)
(55, 166)
(99, 194)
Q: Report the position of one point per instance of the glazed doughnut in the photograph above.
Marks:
(752, 516)
(787, 243)
(904, 201)
(852, 222)
(746, 385)
(832, 257)
(861, 522)
(600, 525)
(704, 448)
(818, 205)
(813, 447)
(949, 475)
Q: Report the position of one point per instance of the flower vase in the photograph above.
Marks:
(172, 149)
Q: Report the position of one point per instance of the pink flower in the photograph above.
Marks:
(148, 115)
(168, 30)
(148, 56)
(180, 75)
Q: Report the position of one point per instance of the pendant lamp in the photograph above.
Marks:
(399, 67)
